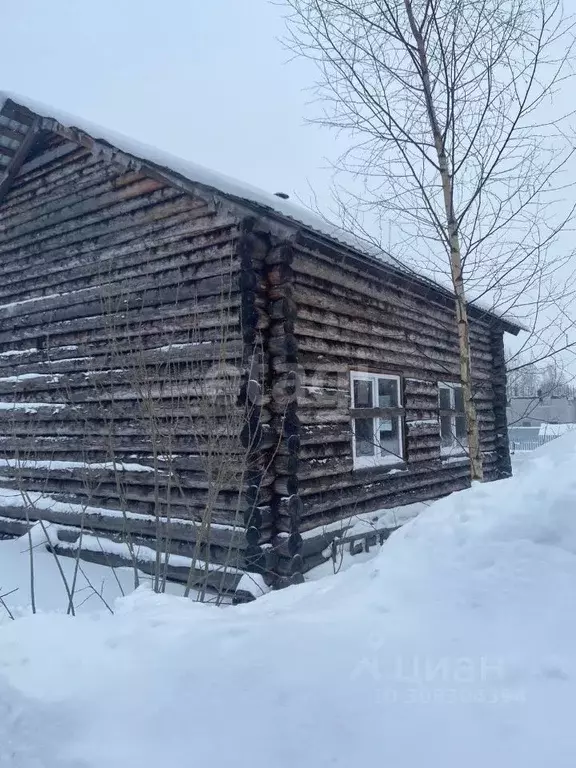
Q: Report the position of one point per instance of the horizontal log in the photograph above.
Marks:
(138, 365)
(49, 158)
(354, 487)
(50, 174)
(171, 237)
(83, 198)
(198, 252)
(159, 500)
(212, 543)
(17, 114)
(225, 475)
(167, 417)
(74, 228)
(395, 337)
(115, 298)
(12, 133)
(222, 580)
(326, 358)
(122, 229)
(137, 323)
(140, 442)
(380, 306)
(317, 544)
(202, 549)
(330, 308)
(320, 450)
(424, 428)
(364, 353)
(12, 528)
(397, 281)
(347, 509)
(90, 519)
(170, 224)
(423, 453)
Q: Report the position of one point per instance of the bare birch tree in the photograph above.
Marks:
(455, 138)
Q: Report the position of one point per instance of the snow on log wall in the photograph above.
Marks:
(120, 318)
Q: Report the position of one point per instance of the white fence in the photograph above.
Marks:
(530, 445)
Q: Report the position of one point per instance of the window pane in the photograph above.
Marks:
(363, 393)
(460, 427)
(446, 430)
(387, 393)
(458, 399)
(444, 398)
(389, 437)
(364, 433)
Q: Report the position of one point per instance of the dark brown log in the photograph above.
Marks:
(221, 580)
(172, 528)
(281, 254)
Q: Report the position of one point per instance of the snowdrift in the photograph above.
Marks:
(455, 646)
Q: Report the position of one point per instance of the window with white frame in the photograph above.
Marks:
(453, 435)
(377, 419)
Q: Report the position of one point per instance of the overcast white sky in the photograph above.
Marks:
(204, 79)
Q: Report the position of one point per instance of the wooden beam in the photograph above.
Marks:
(18, 159)
(10, 133)
(18, 113)
(50, 157)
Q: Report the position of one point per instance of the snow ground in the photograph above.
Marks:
(455, 645)
(49, 588)
(97, 587)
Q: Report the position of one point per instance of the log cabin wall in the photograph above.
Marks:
(175, 368)
(283, 353)
(349, 318)
(120, 311)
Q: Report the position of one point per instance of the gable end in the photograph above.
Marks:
(19, 129)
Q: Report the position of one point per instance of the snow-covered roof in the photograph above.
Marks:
(198, 174)
(222, 185)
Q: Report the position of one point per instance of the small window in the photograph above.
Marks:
(377, 426)
(453, 434)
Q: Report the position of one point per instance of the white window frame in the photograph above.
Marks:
(459, 446)
(384, 459)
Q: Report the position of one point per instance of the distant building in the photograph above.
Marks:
(533, 411)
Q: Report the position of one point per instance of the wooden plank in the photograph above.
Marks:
(18, 158)
(222, 580)
(199, 237)
(151, 527)
(10, 133)
(49, 157)
(14, 111)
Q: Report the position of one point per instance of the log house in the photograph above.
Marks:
(207, 377)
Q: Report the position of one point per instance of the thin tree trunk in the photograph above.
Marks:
(455, 256)
(472, 430)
